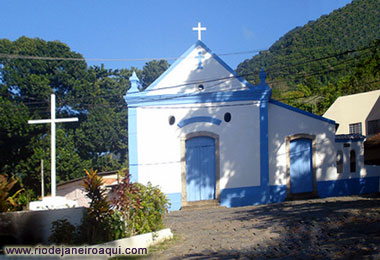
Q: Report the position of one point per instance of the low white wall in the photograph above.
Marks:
(34, 227)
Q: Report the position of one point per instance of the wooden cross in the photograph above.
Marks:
(199, 29)
(53, 121)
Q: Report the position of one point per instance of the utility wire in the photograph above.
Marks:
(230, 77)
(255, 73)
(28, 57)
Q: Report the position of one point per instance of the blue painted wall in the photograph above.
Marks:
(245, 196)
(348, 187)
(175, 201)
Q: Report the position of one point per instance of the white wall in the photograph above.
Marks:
(283, 122)
(74, 191)
(362, 170)
(159, 144)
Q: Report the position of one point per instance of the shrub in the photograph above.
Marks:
(154, 205)
(116, 225)
(9, 199)
(63, 232)
(142, 207)
(95, 226)
(127, 201)
(137, 209)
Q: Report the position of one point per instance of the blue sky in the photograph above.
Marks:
(143, 29)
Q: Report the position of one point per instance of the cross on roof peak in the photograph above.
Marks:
(199, 29)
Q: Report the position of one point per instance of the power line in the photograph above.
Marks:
(255, 73)
(233, 76)
(28, 57)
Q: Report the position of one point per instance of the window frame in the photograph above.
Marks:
(356, 128)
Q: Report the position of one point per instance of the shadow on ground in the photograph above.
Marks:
(338, 228)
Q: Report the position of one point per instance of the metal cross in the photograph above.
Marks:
(199, 29)
(52, 121)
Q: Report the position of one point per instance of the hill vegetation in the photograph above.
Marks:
(310, 66)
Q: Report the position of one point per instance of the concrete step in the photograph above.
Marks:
(302, 196)
(201, 204)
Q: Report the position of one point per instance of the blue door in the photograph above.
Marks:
(200, 168)
(301, 166)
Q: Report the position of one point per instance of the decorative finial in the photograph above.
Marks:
(199, 29)
(262, 76)
(135, 82)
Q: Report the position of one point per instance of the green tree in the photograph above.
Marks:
(26, 85)
(152, 70)
(93, 94)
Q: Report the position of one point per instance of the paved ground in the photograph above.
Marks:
(338, 228)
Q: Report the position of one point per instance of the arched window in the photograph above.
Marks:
(352, 161)
(339, 161)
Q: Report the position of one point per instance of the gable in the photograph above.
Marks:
(198, 76)
(352, 109)
(197, 66)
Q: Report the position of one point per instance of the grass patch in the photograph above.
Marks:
(152, 250)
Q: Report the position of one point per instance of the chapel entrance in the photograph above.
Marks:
(301, 166)
(200, 168)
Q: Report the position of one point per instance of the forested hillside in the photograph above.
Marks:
(93, 94)
(335, 55)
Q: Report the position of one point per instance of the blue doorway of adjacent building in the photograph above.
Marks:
(301, 166)
(200, 168)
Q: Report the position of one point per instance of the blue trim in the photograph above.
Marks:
(349, 138)
(277, 193)
(346, 187)
(264, 151)
(280, 104)
(221, 62)
(245, 196)
(132, 144)
(172, 67)
(184, 56)
(260, 92)
(175, 201)
(196, 119)
(200, 57)
(202, 97)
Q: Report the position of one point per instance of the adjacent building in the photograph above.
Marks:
(356, 114)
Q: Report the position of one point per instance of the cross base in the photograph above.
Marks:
(49, 203)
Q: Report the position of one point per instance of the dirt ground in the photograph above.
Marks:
(331, 228)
